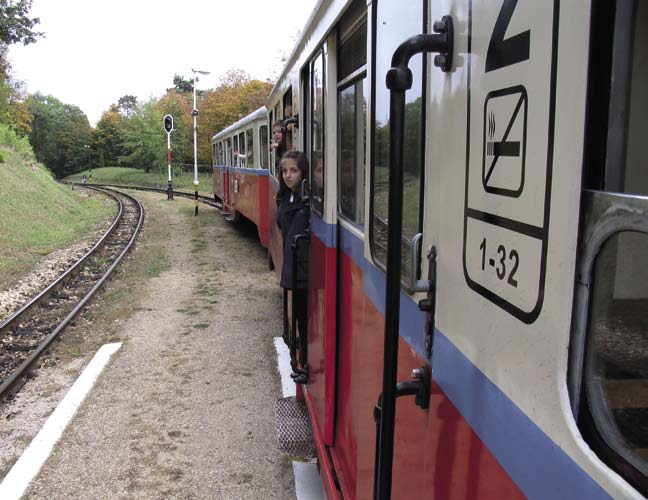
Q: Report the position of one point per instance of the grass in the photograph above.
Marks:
(40, 215)
(137, 177)
(411, 200)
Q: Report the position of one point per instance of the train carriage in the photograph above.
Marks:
(240, 160)
(478, 246)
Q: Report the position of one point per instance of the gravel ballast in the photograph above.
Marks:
(185, 409)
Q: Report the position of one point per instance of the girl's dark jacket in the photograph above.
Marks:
(292, 219)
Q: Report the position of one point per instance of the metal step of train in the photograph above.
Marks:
(294, 433)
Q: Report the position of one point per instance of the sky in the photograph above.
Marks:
(95, 51)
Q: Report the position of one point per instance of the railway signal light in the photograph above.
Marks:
(168, 126)
(168, 123)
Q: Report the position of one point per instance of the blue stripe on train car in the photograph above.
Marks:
(240, 170)
(539, 467)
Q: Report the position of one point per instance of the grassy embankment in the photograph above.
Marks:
(37, 214)
(137, 177)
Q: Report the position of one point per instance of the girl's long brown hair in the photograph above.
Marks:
(302, 163)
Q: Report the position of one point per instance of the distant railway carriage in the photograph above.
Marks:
(240, 170)
(479, 220)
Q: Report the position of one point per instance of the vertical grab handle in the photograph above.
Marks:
(399, 79)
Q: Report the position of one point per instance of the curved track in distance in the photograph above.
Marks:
(28, 333)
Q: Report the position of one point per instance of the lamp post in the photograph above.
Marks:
(168, 128)
(87, 146)
(194, 113)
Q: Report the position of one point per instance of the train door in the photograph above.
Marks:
(500, 221)
(322, 270)
(236, 161)
(609, 352)
(227, 172)
(395, 22)
(354, 364)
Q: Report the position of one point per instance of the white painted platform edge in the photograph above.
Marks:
(307, 480)
(25, 469)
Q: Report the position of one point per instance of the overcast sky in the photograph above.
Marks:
(95, 51)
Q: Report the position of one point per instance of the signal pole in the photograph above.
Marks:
(194, 113)
(168, 127)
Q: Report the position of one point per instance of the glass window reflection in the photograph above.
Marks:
(395, 22)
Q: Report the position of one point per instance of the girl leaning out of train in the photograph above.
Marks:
(292, 218)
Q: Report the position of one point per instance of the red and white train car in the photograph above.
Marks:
(240, 170)
(479, 220)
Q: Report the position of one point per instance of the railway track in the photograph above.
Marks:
(27, 334)
(184, 194)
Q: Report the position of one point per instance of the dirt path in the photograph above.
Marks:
(185, 408)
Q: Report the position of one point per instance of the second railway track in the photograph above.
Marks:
(28, 333)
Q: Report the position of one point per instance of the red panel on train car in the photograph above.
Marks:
(322, 335)
(263, 224)
(437, 455)
(457, 464)
(226, 187)
(217, 176)
(247, 196)
(275, 244)
(350, 310)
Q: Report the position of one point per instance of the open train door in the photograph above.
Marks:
(226, 173)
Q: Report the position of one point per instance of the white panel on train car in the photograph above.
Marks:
(510, 123)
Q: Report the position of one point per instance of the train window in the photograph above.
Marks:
(616, 367)
(263, 146)
(352, 40)
(316, 149)
(395, 22)
(240, 158)
(235, 150)
(608, 377)
(352, 108)
(228, 158)
(249, 148)
(288, 113)
(271, 152)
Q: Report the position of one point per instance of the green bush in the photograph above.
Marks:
(9, 138)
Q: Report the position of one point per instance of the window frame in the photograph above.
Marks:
(287, 100)
(606, 211)
(249, 147)
(240, 158)
(405, 283)
(264, 153)
(606, 214)
(320, 52)
(356, 78)
(235, 150)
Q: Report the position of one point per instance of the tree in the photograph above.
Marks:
(127, 105)
(181, 85)
(15, 25)
(179, 106)
(59, 134)
(13, 109)
(107, 137)
(131, 134)
(144, 143)
(236, 96)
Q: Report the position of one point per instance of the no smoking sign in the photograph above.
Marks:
(504, 143)
(510, 127)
